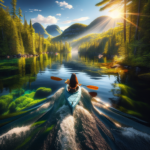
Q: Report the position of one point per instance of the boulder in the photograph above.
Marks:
(42, 92)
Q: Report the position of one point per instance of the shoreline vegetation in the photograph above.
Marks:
(126, 44)
(20, 39)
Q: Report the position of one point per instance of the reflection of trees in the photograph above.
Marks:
(17, 77)
(132, 94)
(45, 60)
(41, 62)
(92, 61)
(21, 66)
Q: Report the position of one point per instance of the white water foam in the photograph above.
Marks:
(52, 99)
(133, 133)
(66, 134)
(17, 131)
(44, 106)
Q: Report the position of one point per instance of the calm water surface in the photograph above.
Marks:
(116, 119)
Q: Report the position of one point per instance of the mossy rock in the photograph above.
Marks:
(145, 76)
(20, 99)
(12, 107)
(4, 102)
(42, 92)
(31, 95)
(7, 98)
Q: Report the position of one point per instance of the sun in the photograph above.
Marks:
(115, 14)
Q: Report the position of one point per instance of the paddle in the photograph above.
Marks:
(88, 86)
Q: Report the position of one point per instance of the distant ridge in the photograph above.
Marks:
(39, 28)
(53, 30)
(99, 25)
(71, 32)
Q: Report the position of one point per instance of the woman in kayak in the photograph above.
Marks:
(73, 83)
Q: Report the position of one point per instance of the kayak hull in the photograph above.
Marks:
(72, 98)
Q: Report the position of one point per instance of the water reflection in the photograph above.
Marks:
(131, 93)
(30, 120)
(16, 73)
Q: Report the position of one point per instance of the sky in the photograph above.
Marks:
(60, 12)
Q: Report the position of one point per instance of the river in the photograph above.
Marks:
(117, 118)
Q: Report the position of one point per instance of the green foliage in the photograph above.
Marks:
(42, 92)
(103, 43)
(18, 38)
(14, 3)
(1, 5)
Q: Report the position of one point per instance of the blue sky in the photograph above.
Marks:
(60, 12)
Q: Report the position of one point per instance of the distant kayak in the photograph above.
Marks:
(72, 98)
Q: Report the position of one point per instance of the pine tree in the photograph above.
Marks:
(20, 13)
(1, 5)
(31, 24)
(14, 3)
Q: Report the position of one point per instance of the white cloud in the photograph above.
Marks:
(76, 20)
(34, 10)
(62, 8)
(46, 20)
(81, 9)
(63, 28)
(58, 14)
(64, 4)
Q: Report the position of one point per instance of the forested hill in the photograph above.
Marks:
(71, 32)
(76, 31)
(53, 30)
(40, 29)
(20, 38)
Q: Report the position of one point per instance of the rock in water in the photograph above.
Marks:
(42, 92)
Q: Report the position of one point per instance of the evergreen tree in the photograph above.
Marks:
(1, 5)
(20, 13)
(14, 4)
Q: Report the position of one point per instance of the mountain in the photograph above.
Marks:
(71, 32)
(39, 28)
(99, 25)
(53, 30)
